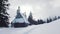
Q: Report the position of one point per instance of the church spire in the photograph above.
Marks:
(18, 10)
(18, 13)
(24, 14)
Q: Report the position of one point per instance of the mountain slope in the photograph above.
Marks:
(50, 28)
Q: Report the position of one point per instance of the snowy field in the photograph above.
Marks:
(50, 28)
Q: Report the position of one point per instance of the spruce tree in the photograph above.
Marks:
(30, 19)
(48, 20)
(4, 21)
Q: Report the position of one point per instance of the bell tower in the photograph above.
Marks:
(18, 13)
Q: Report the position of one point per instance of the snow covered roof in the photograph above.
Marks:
(18, 20)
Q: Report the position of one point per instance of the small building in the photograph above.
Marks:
(20, 20)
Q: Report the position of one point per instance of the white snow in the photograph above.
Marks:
(50, 28)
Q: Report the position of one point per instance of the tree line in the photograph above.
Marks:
(41, 21)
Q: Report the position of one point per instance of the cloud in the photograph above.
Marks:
(40, 8)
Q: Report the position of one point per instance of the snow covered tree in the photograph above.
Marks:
(58, 17)
(48, 20)
(31, 20)
(55, 18)
(4, 21)
(41, 21)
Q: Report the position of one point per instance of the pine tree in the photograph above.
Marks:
(30, 19)
(55, 18)
(41, 21)
(3, 13)
(48, 20)
(58, 17)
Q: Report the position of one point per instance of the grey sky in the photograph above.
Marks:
(39, 8)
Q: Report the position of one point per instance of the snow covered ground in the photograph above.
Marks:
(47, 28)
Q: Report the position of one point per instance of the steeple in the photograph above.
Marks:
(18, 13)
(24, 14)
(18, 10)
(20, 20)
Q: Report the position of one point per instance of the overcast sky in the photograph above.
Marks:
(39, 8)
